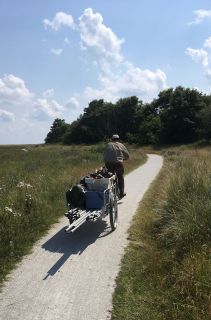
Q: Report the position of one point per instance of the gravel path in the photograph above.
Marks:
(72, 276)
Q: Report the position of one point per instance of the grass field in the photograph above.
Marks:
(33, 181)
(166, 270)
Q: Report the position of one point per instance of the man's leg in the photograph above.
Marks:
(120, 176)
(119, 170)
(111, 167)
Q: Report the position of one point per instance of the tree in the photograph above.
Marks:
(57, 131)
(177, 116)
(205, 123)
(124, 115)
(148, 124)
(93, 126)
(178, 111)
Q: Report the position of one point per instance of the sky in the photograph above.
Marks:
(56, 56)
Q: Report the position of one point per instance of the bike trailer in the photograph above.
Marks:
(90, 200)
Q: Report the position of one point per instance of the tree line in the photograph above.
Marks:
(176, 116)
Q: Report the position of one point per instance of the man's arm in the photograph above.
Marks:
(126, 155)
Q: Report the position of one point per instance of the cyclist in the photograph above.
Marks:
(114, 155)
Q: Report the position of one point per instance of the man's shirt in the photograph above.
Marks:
(115, 152)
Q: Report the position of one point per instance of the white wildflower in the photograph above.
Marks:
(15, 214)
(22, 184)
(28, 196)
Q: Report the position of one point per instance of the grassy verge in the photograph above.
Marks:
(33, 181)
(166, 270)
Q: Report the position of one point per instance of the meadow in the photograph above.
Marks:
(166, 269)
(33, 182)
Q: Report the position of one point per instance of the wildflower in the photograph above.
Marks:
(22, 184)
(28, 200)
(28, 196)
(15, 214)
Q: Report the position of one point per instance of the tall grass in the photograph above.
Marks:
(33, 181)
(186, 215)
(166, 271)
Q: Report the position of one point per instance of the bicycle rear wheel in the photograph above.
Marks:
(113, 212)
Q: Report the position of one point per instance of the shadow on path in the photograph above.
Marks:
(74, 243)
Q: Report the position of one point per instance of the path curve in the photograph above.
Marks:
(72, 277)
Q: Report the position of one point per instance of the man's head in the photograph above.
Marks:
(115, 137)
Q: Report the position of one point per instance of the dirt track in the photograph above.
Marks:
(72, 277)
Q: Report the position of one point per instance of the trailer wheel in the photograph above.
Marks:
(113, 212)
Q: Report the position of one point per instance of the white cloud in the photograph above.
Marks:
(201, 15)
(14, 94)
(44, 109)
(61, 19)
(24, 113)
(198, 55)
(6, 116)
(92, 94)
(13, 89)
(132, 82)
(202, 56)
(48, 93)
(72, 104)
(95, 35)
(207, 43)
(57, 52)
(118, 77)
(208, 73)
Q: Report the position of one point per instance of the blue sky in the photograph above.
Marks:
(58, 55)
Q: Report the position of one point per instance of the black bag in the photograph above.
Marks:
(76, 197)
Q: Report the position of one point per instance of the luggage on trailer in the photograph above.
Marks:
(76, 197)
(100, 180)
(98, 184)
(90, 192)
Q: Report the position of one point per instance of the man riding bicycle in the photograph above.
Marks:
(114, 155)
